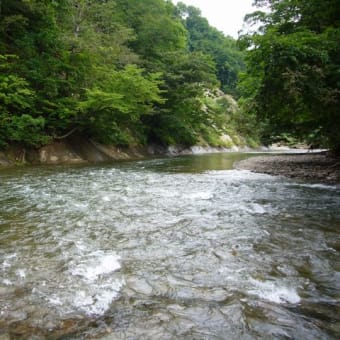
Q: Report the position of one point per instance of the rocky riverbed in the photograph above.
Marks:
(313, 167)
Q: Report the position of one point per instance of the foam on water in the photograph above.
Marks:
(106, 198)
(5, 264)
(200, 195)
(274, 292)
(321, 186)
(98, 264)
(239, 175)
(21, 273)
(256, 209)
(91, 284)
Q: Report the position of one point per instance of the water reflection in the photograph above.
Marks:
(194, 163)
(167, 248)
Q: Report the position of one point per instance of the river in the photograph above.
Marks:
(173, 248)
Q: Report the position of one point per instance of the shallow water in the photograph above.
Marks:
(165, 249)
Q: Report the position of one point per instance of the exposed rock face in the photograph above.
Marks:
(83, 151)
(75, 150)
(56, 153)
(78, 149)
(4, 160)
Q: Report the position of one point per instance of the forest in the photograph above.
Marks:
(131, 72)
(292, 82)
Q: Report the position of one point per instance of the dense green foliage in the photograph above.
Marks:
(120, 71)
(208, 40)
(293, 70)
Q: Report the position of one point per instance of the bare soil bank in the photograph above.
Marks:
(312, 167)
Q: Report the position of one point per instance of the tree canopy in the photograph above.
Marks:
(292, 79)
(133, 72)
(119, 71)
(208, 40)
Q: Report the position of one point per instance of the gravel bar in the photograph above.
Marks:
(311, 167)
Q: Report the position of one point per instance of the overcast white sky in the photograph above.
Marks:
(226, 15)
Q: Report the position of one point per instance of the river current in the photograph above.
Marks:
(173, 248)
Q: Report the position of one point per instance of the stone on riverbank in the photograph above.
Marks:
(313, 167)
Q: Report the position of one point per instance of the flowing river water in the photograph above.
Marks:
(174, 248)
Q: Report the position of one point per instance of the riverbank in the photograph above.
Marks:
(312, 167)
(80, 150)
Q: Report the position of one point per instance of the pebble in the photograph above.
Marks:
(313, 167)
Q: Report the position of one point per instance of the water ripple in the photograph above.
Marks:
(166, 254)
